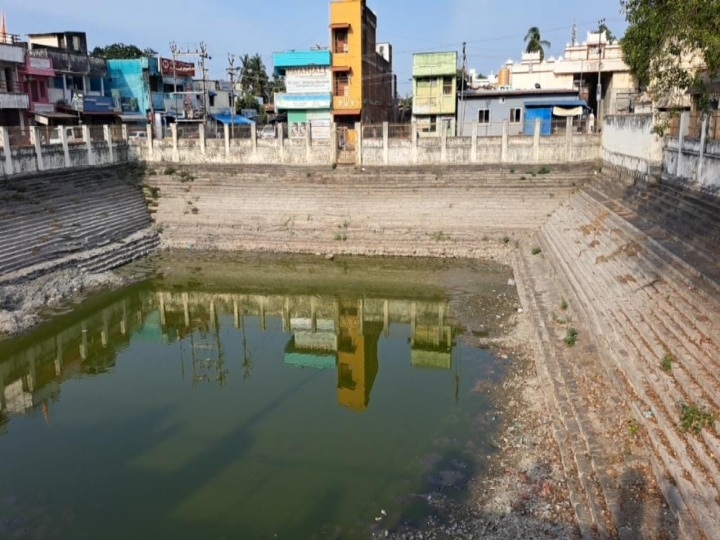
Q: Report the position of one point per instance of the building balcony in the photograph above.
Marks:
(13, 100)
(12, 53)
(346, 103)
(58, 95)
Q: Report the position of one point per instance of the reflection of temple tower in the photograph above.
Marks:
(357, 356)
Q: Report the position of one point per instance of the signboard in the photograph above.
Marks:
(39, 66)
(303, 101)
(92, 104)
(175, 67)
(308, 80)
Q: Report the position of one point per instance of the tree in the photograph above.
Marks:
(535, 43)
(665, 42)
(603, 29)
(253, 77)
(122, 51)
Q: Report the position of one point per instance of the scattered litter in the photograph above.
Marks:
(511, 282)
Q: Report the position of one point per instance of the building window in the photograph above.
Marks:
(341, 85)
(515, 116)
(447, 86)
(340, 40)
(484, 116)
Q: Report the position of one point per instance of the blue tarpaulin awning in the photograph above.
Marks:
(229, 119)
(556, 103)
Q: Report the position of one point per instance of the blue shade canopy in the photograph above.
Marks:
(229, 119)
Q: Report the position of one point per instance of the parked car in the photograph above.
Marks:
(267, 132)
(138, 136)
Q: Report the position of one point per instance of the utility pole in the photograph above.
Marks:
(174, 51)
(462, 91)
(598, 95)
(231, 72)
(203, 55)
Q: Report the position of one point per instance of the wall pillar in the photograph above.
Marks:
(333, 143)
(504, 145)
(280, 134)
(443, 140)
(474, 141)
(226, 138)
(684, 121)
(66, 149)
(253, 137)
(149, 143)
(108, 139)
(88, 145)
(7, 152)
(386, 142)
(358, 143)
(174, 133)
(35, 139)
(308, 142)
(568, 138)
(125, 133)
(701, 155)
(414, 135)
(536, 141)
(201, 135)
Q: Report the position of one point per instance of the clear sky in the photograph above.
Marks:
(493, 29)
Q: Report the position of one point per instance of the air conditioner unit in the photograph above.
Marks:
(345, 47)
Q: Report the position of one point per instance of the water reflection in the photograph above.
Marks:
(324, 332)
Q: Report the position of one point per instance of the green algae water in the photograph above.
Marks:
(231, 408)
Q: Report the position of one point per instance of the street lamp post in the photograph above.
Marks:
(598, 95)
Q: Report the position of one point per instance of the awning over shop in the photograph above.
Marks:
(346, 112)
(565, 103)
(339, 26)
(336, 69)
(132, 118)
(570, 111)
(45, 118)
(229, 119)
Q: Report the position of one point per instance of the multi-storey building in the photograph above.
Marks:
(78, 86)
(135, 86)
(308, 96)
(434, 92)
(595, 68)
(363, 84)
(14, 100)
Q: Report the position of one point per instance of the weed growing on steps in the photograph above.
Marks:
(563, 304)
(340, 237)
(693, 418)
(506, 239)
(185, 176)
(570, 337)
(169, 170)
(561, 321)
(439, 236)
(666, 362)
(536, 250)
(543, 170)
(633, 427)
(523, 177)
(512, 170)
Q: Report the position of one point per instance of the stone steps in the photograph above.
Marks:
(636, 323)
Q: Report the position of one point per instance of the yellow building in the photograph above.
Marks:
(363, 82)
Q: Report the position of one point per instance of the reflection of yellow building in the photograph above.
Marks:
(357, 358)
(432, 347)
(363, 82)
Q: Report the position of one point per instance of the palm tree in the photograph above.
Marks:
(535, 43)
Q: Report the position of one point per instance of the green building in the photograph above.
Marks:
(434, 104)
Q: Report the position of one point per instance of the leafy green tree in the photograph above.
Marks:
(253, 77)
(535, 43)
(662, 37)
(603, 29)
(122, 51)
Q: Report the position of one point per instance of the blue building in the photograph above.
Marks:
(308, 97)
(489, 109)
(136, 88)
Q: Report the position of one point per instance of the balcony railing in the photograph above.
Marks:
(14, 101)
(11, 53)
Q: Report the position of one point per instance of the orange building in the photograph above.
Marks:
(363, 82)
